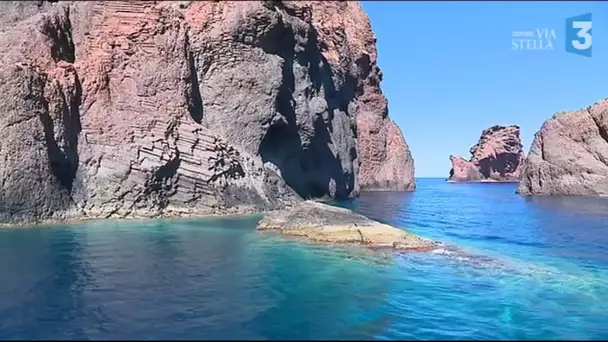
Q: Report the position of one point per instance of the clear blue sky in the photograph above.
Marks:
(450, 71)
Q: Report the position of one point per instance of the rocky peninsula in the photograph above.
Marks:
(569, 155)
(167, 108)
(497, 157)
(325, 223)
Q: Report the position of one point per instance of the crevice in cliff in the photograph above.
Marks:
(230, 171)
(322, 76)
(281, 145)
(601, 129)
(195, 100)
(64, 160)
(160, 181)
(41, 2)
(63, 155)
(503, 164)
(195, 103)
(165, 171)
(271, 4)
(364, 65)
(541, 144)
(59, 30)
(227, 164)
(307, 165)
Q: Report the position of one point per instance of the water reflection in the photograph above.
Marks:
(328, 293)
(387, 206)
(48, 287)
(212, 279)
(572, 227)
(588, 206)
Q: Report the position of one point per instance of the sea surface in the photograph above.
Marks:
(532, 268)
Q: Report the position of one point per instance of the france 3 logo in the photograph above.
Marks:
(578, 35)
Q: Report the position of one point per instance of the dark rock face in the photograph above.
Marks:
(498, 156)
(116, 109)
(38, 160)
(569, 155)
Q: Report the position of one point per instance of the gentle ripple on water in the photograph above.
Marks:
(528, 268)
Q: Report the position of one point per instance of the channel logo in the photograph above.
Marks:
(578, 35)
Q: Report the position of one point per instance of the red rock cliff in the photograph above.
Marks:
(569, 154)
(114, 109)
(385, 159)
(498, 156)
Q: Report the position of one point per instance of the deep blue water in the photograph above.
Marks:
(541, 272)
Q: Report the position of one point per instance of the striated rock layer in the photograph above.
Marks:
(118, 109)
(569, 155)
(498, 156)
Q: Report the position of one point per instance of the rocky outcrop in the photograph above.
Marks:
(498, 156)
(127, 109)
(569, 155)
(325, 223)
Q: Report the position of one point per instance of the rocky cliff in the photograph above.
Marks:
(498, 156)
(569, 155)
(118, 109)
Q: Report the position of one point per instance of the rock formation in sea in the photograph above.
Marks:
(498, 156)
(325, 223)
(148, 108)
(569, 155)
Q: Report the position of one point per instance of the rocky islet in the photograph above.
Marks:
(325, 223)
(497, 156)
(569, 155)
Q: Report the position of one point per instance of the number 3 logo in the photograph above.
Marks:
(578, 35)
(584, 32)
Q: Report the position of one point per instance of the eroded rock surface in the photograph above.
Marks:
(116, 109)
(498, 156)
(325, 223)
(569, 155)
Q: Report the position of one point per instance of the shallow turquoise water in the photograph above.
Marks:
(534, 268)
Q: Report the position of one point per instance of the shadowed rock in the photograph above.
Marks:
(498, 156)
